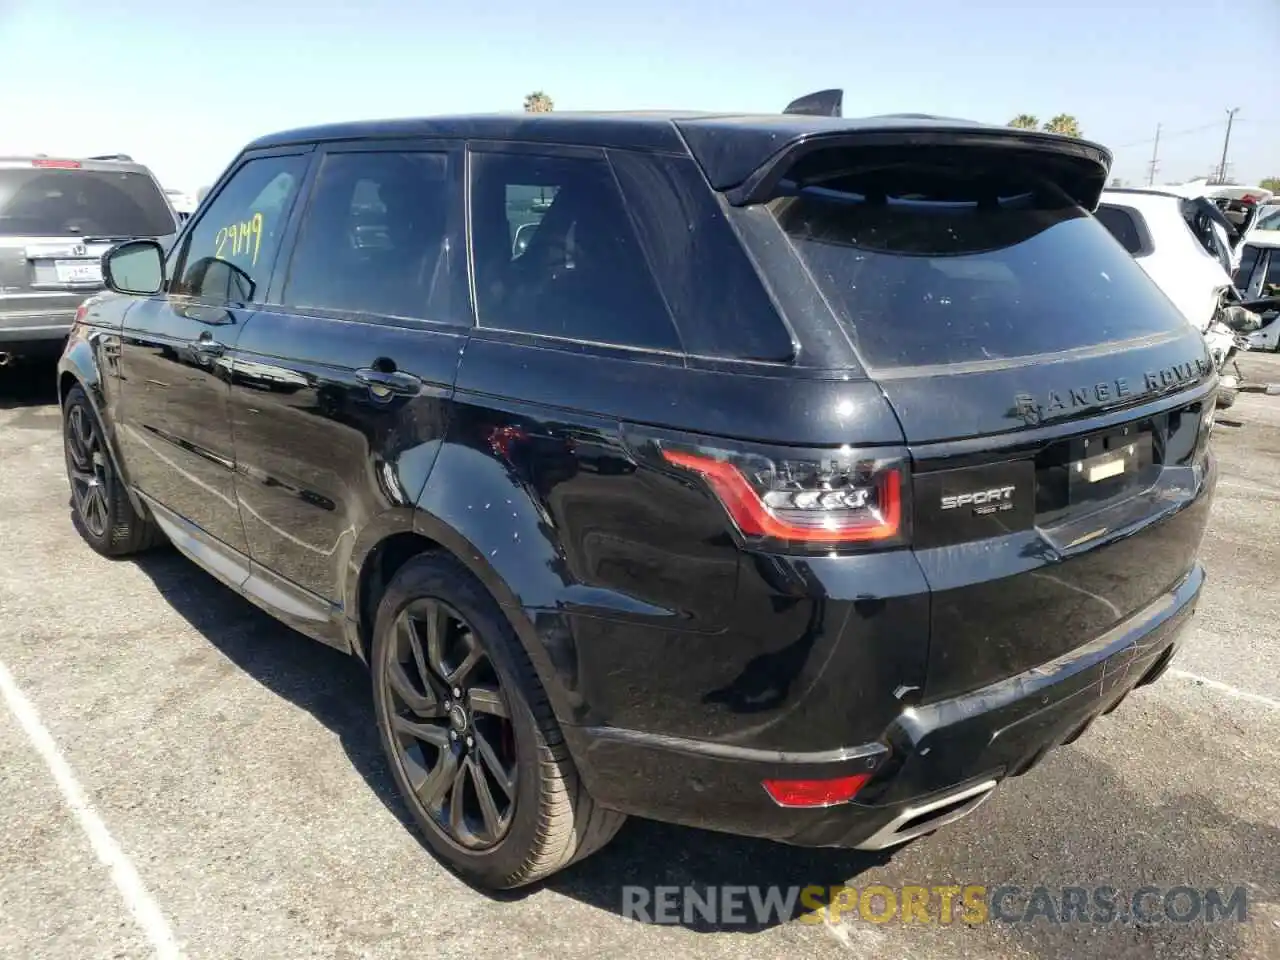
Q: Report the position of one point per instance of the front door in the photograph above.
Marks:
(176, 430)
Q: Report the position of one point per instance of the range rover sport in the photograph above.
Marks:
(791, 476)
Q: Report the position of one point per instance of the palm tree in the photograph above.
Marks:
(1064, 124)
(538, 102)
(1025, 121)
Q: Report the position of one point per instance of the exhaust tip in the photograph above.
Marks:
(924, 818)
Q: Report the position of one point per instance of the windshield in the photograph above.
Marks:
(929, 266)
(43, 202)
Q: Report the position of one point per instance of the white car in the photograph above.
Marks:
(1258, 276)
(1179, 240)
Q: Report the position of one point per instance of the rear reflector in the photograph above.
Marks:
(57, 164)
(815, 793)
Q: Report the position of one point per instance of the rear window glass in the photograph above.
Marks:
(929, 266)
(44, 202)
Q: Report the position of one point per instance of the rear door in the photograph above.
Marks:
(1053, 400)
(57, 219)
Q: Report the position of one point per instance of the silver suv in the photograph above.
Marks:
(57, 218)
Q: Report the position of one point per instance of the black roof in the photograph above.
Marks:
(730, 148)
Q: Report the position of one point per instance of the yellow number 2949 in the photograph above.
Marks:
(240, 238)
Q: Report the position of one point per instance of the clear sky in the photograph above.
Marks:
(182, 86)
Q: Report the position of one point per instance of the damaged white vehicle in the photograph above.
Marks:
(1183, 243)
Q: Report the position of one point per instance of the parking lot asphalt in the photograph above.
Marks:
(179, 775)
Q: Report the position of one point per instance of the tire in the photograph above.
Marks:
(105, 518)
(550, 820)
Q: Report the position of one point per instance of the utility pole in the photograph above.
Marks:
(1155, 153)
(1222, 167)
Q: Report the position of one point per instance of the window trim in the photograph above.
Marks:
(557, 151)
(452, 148)
(177, 260)
(1146, 246)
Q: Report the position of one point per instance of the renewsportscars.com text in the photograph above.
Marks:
(970, 904)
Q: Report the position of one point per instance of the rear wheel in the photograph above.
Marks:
(100, 507)
(470, 736)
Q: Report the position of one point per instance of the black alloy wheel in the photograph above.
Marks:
(87, 469)
(469, 733)
(452, 725)
(100, 506)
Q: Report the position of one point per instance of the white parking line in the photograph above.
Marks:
(123, 874)
(1226, 688)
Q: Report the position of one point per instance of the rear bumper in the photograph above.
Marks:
(35, 326)
(934, 762)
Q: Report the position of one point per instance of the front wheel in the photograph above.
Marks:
(470, 736)
(100, 506)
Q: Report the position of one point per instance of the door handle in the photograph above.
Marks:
(387, 383)
(208, 346)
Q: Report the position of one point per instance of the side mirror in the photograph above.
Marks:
(524, 233)
(135, 267)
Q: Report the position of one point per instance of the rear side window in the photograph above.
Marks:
(555, 253)
(50, 202)
(229, 253)
(1123, 225)
(934, 265)
(1211, 235)
(375, 237)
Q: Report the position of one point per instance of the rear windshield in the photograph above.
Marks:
(44, 202)
(927, 265)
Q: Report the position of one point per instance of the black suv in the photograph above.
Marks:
(792, 476)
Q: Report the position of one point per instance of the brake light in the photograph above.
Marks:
(81, 311)
(815, 793)
(821, 498)
(56, 164)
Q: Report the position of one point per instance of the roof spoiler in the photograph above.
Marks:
(1079, 168)
(123, 157)
(822, 103)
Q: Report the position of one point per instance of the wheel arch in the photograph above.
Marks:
(429, 533)
(78, 367)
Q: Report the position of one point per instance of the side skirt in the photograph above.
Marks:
(289, 603)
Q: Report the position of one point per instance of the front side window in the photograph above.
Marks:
(555, 253)
(926, 265)
(230, 252)
(375, 237)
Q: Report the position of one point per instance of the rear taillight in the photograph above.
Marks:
(56, 164)
(807, 500)
(81, 311)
